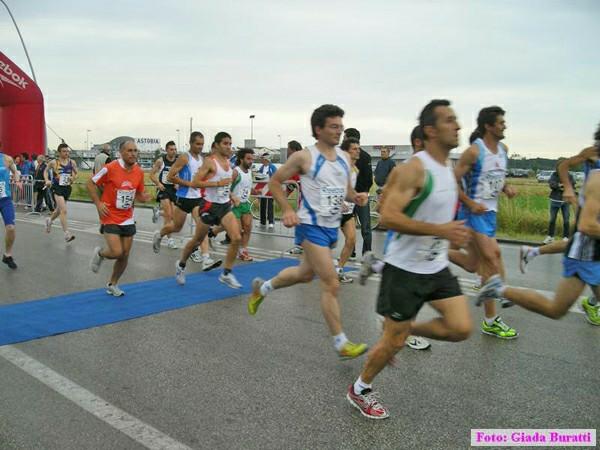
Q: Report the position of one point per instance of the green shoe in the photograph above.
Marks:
(256, 297)
(350, 350)
(592, 312)
(499, 329)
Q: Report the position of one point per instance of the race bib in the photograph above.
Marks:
(433, 249)
(163, 178)
(3, 189)
(491, 185)
(125, 199)
(244, 194)
(332, 199)
(64, 179)
(223, 191)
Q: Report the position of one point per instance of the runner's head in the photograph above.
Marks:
(352, 133)
(171, 149)
(106, 149)
(129, 152)
(293, 146)
(326, 123)
(352, 146)
(196, 142)
(439, 124)
(222, 144)
(490, 120)
(416, 139)
(62, 151)
(245, 158)
(385, 153)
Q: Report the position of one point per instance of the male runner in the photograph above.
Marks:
(7, 207)
(418, 210)
(581, 266)
(325, 182)
(241, 187)
(483, 168)
(167, 194)
(182, 173)
(214, 178)
(64, 171)
(122, 182)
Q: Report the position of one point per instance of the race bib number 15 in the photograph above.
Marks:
(125, 199)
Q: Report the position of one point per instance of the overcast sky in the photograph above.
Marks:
(143, 68)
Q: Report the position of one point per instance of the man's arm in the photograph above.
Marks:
(464, 166)
(156, 168)
(75, 172)
(234, 198)
(588, 219)
(173, 175)
(563, 171)
(93, 191)
(13, 169)
(359, 198)
(49, 166)
(200, 179)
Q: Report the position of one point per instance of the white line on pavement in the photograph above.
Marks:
(145, 434)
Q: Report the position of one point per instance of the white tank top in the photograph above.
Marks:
(435, 203)
(324, 189)
(242, 185)
(349, 206)
(486, 179)
(187, 173)
(219, 194)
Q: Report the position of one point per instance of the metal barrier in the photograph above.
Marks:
(23, 193)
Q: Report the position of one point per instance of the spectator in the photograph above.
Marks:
(364, 182)
(25, 166)
(558, 204)
(384, 167)
(102, 158)
(38, 182)
(266, 171)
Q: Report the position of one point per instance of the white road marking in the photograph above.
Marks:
(141, 432)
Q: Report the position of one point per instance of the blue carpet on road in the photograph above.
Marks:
(72, 312)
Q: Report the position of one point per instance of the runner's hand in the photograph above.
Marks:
(102, 209)
(361, 198)
(477, 208)
(456, 233)
(235, 201)
(290, 219)
(48, 183)
(224, 182)
(144, 197)
(161, 187)
(510, 191)
(570, 197)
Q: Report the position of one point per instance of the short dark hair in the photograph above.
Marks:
(241, 154)
(195, 135)
(321, 114)
(487, 116)
(428, 117)
(295, 145)
(348, 142)
(416, 133)
(25, 155)
(352, 133)
(168, 144)
(220, 136)
(61, 146)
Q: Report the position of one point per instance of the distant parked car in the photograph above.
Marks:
(543, 176)
(578, 176)
(518, 173)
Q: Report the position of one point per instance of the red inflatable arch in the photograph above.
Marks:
(22, 123)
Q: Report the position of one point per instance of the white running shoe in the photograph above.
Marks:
(209, 264)
(179, 274)
(96, 260)
(48, 227)
(230, 280)
(196, 256)
(113, 289)
(271, 226)
(548, 240)
(566, 239)
(525, 257)
(417, 343)
(156, 238)
(171, 243)
(155, 214)
(366, 267)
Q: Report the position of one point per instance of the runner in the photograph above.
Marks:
(418, 210)
(7, 207)
(214, 178)
(482, 168)
(64, 172)
(167, 194)
(581, 267)
(182, 173)
(324, 171)
(122, 183)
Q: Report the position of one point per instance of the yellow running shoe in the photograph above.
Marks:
(350, 350)
(592, 312)
(256, 297)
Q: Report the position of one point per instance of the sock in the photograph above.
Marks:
(490, 322)
(377, 266)
(535, 251)
(182, 264)
(360, 386)
(226, 271)
(210, 233)
(266, 288)
(593, 301)
(205, 256)
(339, 341)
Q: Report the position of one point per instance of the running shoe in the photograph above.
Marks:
(256, 297)
(548, 239)
(417, 343)
(48, 227)
(297, 250)
(352, 257)
(499, 329)
(491, 289)
(155, 214)
(179, 274)
(367, 403)
(196, 256)
(244, 256)
(156, 238)
(366, 267)
(210, 264)
(592, 312)
(271, 226)
(96, 260)
(350, 350)
(345, 279)
(525, 257)
(9, 261)
(113, 289)
(69, 238)
(171, 243)
(230, 280)
(505, 303)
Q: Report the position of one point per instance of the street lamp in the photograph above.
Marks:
(252, 126)
(279, 136)
(177, 139)
(87, 139)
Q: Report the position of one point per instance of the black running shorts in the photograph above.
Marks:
(187, 205)
(403, 293)
(346, 218)
(62, 191)
(168, 194)
(212, 213)
(121, 230)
